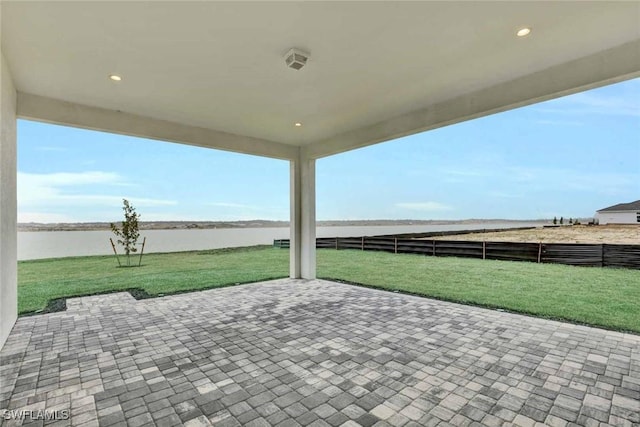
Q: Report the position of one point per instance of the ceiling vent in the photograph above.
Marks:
(296, 58)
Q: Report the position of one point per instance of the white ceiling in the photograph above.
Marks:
(219, 65)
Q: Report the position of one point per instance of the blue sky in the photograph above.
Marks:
(569, 157)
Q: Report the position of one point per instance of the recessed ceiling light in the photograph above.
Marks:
(298, 124)
(115, 77)
(523, 32)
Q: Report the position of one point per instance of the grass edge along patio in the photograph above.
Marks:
(601, 297)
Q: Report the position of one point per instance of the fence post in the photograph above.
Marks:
(395, 245)
(484, 249)
(602, 247)
(337, 247)
(434, 247)
(363, 243)
(539, 252)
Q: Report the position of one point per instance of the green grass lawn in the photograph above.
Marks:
(604, 297)
(42, 280)
(597, 296)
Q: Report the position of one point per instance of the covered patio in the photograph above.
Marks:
(313, 352)
(215, 74)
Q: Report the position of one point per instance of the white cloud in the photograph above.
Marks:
(43, 217)
(59, 192)
(456, 176)
(231, 211)
(592, 103)
(424, 206)
(68, 178)
(560, 122)
(570, 180)
(51, 148)
(526, 174)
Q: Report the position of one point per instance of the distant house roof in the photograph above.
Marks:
(632, 206)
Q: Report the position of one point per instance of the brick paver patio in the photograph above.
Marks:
(317, 353)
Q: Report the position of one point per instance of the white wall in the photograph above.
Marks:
(8, 204)
(617, 217)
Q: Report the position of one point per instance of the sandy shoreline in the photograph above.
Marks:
(613, 234)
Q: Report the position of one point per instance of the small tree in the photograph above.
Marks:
(555, 220)
(128, 235)
(561, 220)
(570, 221)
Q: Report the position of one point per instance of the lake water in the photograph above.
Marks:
(53, 244)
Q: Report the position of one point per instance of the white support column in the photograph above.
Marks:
(8, 204)
(302, 263)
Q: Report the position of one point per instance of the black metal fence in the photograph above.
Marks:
(595, 255)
